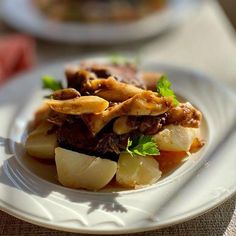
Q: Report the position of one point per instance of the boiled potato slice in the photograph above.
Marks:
(77, 170)
(40, 144)
(134, 171)
(149, 172)
(176, 138)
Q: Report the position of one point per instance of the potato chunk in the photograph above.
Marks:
(176, 138)
(134, 171)
(40, 144)
(77, 170)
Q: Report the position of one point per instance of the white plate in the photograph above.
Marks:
(22, 15)
(204, 181)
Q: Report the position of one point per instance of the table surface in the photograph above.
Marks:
(205, 42)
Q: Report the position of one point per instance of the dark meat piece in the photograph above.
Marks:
(111, 143)
(74, 135)
(147, 125)
(76, 78)
(184, 114)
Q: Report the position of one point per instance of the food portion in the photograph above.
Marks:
(113, 125)
(98, 10)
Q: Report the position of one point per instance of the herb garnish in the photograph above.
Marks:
(49, 82)
(142, 146)
(164, 88)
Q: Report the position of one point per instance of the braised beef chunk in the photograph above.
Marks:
(74, 135)
(185, 115)
(147, 125)
(111, 143)
(126, 73)
(76, 78)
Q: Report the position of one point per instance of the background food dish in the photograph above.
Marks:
(91, 11)
(30, 20)
(38, 201)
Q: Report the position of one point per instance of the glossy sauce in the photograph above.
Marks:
(168, 161)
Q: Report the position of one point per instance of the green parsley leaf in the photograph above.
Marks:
(49, 82)
(164, 88)
(143, 146)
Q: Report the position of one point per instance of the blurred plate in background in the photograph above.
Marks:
(24, 16)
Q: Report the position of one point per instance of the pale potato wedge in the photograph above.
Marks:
(40, 144)
(137, 171)
(77, 170)
(176, 138)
